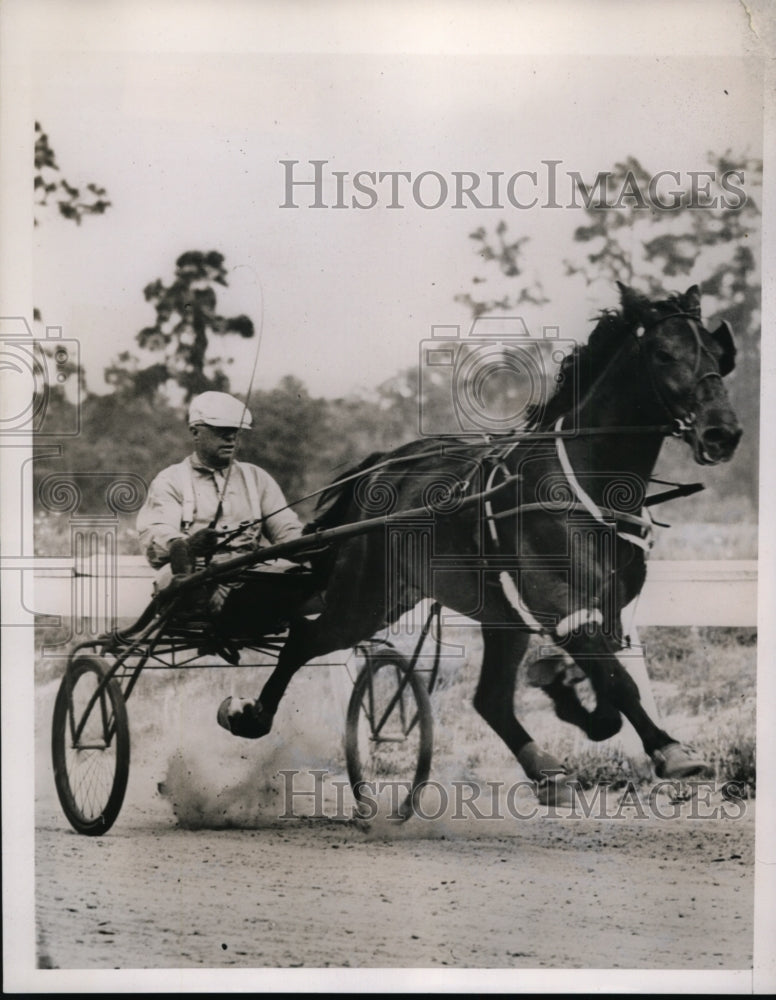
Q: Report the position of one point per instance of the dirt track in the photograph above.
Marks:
(204, 875)
(544, 893)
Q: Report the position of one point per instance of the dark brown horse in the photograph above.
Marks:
(559, 547)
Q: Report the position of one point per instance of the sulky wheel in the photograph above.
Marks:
(90, 746)
(388, 736)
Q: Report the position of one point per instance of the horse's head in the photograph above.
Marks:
(685, 364)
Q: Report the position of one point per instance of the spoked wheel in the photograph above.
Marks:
(388, 735)
(90, 746)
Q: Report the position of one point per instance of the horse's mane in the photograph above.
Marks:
(333, 502)
(579, 369)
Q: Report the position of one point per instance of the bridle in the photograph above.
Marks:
(685, 423)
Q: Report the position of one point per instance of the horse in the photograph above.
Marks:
(558, 544)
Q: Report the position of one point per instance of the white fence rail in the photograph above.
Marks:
(677, 592)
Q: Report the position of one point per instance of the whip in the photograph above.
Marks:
(260, 333)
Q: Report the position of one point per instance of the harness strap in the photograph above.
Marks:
(587, 501)
(563, 457)
(643, 543)
(515, 598)
(581, 616)
(189, 501)
(254, 501)
(491, 518)
(188, 506)
(549, 507)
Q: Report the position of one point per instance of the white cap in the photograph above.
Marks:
(219, 409)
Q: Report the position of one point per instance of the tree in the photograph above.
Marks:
(117, 434)
(72, 202)
(661, 250)
(714, 246)
(186, 318)
(507, 257)
(290, 436)
(60, 410)
(632, 245)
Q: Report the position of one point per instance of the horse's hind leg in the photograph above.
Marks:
(494, 700)
(308, 639)
(252, 718)
(600, 724)
(616, 692)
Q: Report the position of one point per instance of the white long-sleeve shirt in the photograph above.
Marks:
(184, 498)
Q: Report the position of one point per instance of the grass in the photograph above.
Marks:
(704, 680)
(709, 540)
(718, 663)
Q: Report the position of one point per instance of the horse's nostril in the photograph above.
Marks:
(721, 436)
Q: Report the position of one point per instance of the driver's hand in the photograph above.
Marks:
(180, 557)
(203, 542)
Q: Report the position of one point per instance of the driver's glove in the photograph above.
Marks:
(181, 561)
(203, 542)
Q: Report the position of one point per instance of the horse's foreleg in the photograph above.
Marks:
(617, 695)
(600, 724)
(494, 700)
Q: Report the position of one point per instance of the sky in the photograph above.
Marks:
(188, 138)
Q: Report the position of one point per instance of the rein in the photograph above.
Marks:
(222, 491)
(504, 442)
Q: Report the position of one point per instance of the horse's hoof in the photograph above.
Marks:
(245, 718)
(552, 783)
(535, 761)
(677, 760)
(556, 790)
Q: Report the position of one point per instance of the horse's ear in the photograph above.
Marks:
(724, 337)
(635, 307)
(627, 295)
(692, 300)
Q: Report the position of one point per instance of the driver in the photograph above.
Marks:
(190, 506)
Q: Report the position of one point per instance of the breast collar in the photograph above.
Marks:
(643, 540)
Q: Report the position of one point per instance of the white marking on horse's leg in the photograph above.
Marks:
(572, 673)
(584, 616)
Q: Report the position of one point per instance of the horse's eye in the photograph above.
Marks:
(663, 357)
